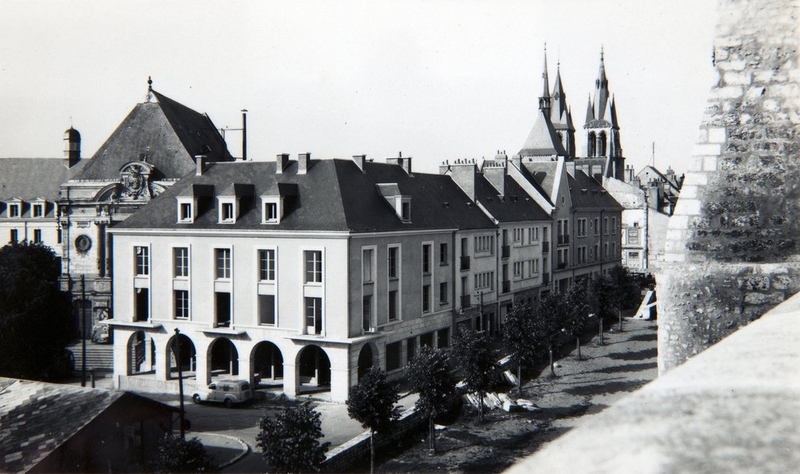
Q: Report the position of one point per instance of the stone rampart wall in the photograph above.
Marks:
(733, 245)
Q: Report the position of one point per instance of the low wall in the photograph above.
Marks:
(148, 384)
(356, 451)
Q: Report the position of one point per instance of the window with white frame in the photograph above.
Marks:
(37, 210)
(393, 305)
(14, 210)
(37, 236)
(533, 235)
(181, 304)
(313, 266)
(226, 212)
(266, 265)
(426, 298)
(271, 211)
(367, 265)
(185, 211)
(13, 235)
(266, 310)
(518, 233)
(313, 315)
(222, 258)
(426, 258)
(180, 256)
(394, 262)
(142, 260)
(518, 268)
(444, 258)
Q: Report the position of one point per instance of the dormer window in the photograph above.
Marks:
(227, 210)
(271, 209)
(400, 203)
(14, 209)
(37, 210)
(187, 209)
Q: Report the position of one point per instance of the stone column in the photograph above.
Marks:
(733, 245)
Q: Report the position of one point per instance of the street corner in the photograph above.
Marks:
(225, 450)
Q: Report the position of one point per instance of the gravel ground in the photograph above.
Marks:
(605, 373)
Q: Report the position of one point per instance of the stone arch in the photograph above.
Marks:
(602, 143)
(141, 354)
(590, 144)
(367, 358)
(313, 369)
(223, 358)
(267, 364)
(187, 356)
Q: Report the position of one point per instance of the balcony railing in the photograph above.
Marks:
(465, 263)
(466, 302)
(506, 251)
(506, 286)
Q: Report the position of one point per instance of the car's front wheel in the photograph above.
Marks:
(228, 403)
(196, 398)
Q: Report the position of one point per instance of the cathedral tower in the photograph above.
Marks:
(602, 128)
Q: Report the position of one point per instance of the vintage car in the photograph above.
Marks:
(228, 392)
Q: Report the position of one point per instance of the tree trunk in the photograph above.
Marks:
(371, 451)
(519, 380)
(431, 436)
(552, 369)
(578, 343)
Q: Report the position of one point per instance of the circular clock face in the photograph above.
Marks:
(83, 243)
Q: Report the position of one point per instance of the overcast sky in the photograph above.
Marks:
(437, 80)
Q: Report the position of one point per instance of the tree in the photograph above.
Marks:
(577, 314)
(179, 455)
(36, 321)
(477, 361)
(518, 339)
(290, 441)
(372, 403)
(548, 322)
(429, 375)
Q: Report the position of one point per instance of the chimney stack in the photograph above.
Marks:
(199, 161)
(303, 163)
(360, 160)
(404, 163)
(281, 161)
(495, 173)
(463, 173)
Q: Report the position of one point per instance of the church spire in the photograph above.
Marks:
(544, 100)
(601, 90)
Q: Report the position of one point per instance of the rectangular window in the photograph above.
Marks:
(406, 211)
(605, 226)
(393, 305)
(393, 353)
(38, 210)
(142, 305)
(518, 269)
(13, 210)
(186, 211)
(633, 235)
(266, 265)
(484, 280)
(222, 303)
(533, 267)
(142, 260)
(181, 304)
(180, 256)
(426, 258)
(314, 315)
(393, 254)
(37, 236)
(367, 259)
(426, 298)
(227, 211)
(411, 349)
(613, 225)
(266, 309)
(271, 212)
(223, 262)
(13, 235)
(518, 235)
(426, 340)
(313, 260)
(484, 243)
(444, 258)
(443, 338)
(366, 312)
(596, 226)
(443, 292)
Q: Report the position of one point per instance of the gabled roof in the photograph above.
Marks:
(38, 417)
(32, 178)
(586, 192)
(333, 195)
(543, 139)
(164, 133)
(516, 205)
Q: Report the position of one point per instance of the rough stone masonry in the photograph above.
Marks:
(733, 245)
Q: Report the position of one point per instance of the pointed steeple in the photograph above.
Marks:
(601, 90)
(544, 100)
(559, 97)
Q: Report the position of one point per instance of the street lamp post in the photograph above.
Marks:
(83, 330)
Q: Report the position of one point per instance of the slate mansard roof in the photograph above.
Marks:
(162, 132)
(33, 178)
(334, 196)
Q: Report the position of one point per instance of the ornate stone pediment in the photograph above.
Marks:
(134, 178)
